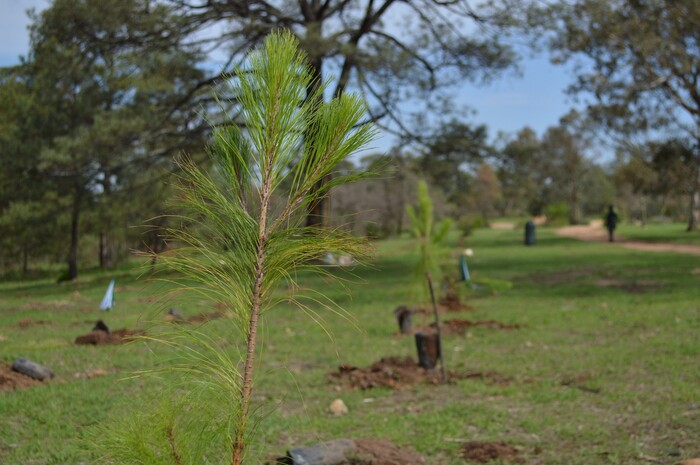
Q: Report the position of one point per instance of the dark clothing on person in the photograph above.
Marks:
(611, 223)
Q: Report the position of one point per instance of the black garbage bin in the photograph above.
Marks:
(529, 233)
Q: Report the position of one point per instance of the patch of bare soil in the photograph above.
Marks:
(581, 382)
(595, 232)
(204, 317)
(98, 337)
(459, 326)
(383, 452)
(501, 225)
(28, 322)
(403, 372)
(452, 303)
(485, 452)
(48, 305)
(11, 380)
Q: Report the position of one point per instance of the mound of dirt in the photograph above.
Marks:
(383, 452)
(28, 322)
(444, 307)
(581, 382)
(452, 303)
(403, 372)
(99, 337)
(10, 380)
(485, 452)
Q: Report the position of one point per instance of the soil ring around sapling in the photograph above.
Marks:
(11, 380)
(404, 372)
(460, 326)
(99, 337)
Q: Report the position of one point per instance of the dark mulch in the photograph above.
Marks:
(402, 372)
(11, 380)
(485, 452)
(99, 337)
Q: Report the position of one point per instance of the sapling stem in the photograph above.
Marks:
(443, 375)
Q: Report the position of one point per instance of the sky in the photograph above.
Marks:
(535, 97)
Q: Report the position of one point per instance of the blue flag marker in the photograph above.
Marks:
(463, 268)
(108, 299)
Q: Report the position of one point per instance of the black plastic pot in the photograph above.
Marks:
(428, 346)
(404, 316)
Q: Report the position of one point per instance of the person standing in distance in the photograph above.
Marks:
(611, 223)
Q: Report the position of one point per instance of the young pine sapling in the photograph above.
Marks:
(429, 237)
(242, 234)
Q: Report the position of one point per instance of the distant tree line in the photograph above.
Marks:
(112, 90)
(558, 175)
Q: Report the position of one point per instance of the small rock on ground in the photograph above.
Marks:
(32, 369)
(338, 407)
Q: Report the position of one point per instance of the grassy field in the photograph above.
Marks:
(604, 369)
(672, 233)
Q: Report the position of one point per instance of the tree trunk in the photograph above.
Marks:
(694, 197)
(154, 248)
(102, 250)
(25, 265)
(238, 445)
(74, 223)
(693, 214)
(318, 210)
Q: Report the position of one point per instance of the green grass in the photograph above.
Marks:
(673, 233)
(627, 322)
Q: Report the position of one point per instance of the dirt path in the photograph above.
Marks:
(595, 232)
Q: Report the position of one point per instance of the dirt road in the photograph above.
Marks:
(595, 232)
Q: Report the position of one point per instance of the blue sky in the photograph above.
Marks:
(535, 98)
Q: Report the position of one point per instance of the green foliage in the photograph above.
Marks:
(557, 214)
(465, 224)
(241, 234)
(92, 115)
(644, 64)
(374, 231)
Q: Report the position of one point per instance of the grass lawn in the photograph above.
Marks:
(672, 233)
(604, 369)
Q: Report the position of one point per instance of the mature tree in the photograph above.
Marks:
(449, 155)
(107, 79)
(486, 191)
(672, 160)
(391, 51)
(567, 166)
(636, 180)
(645, 58)
(520, 172)
(377, 206)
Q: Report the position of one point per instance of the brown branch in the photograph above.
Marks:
(173, 447)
